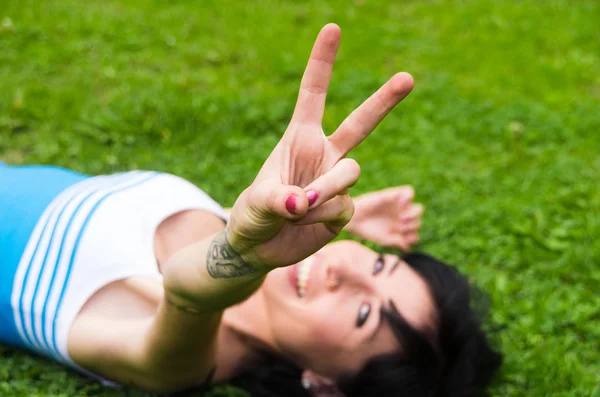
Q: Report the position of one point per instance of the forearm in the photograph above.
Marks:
(209, 276)
(178, 347)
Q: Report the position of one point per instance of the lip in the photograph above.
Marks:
(314, 275)
(293, 277)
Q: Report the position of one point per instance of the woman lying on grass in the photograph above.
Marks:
(136, 277)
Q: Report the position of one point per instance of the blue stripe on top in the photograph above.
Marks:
(36, 186)
(64, 286)
(30, 329)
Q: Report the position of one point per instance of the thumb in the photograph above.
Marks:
(275, 199)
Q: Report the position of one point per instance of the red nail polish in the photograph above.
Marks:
(290, 205)
(312, 197)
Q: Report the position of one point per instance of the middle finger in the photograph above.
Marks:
(362, 121)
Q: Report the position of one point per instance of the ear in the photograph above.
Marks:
(320, 386)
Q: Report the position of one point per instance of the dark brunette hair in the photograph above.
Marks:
(459, 361)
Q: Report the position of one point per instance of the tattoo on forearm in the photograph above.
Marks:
(223, 262)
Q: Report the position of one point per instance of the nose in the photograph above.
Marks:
(340, 275)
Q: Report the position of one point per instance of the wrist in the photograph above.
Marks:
(244, 248)
(229, 257)
(200, 304)
(209, 276)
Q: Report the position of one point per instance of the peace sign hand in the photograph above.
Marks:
(271, 224)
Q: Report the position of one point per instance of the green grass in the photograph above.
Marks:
(500, 137)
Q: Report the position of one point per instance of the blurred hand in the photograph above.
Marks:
(271, 223)
(388, 217)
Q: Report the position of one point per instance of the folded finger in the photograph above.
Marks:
(273, 199)
(335, 214)
(361, 122)
(336, 181)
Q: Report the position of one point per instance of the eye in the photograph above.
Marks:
(363, 314)
(379, 265)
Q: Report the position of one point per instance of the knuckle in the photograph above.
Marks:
(344, 210)
(350, 170)
(254, 197)
(313, 89)
(381, 101)
(264, 197)
(353, 168)
(347, 208)
(271, 201)
(354, 126)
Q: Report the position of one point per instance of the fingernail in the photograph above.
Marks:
(312, 197)
(290, 204)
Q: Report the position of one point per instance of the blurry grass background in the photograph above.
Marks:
(500, 136)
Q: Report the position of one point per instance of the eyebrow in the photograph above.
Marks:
(380, 321)
(377, 327)
(394, 267)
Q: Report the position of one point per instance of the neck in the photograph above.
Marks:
(243, 337)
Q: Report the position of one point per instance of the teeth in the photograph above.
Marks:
(303, 275)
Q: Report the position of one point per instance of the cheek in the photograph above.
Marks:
(309, 330)
(330, 347)
(300, 326)
(308, 335)
(277, 285)
(328, 328)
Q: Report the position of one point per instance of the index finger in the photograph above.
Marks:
(362, 121)
(315, 81)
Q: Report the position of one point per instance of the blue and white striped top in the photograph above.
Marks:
(36, 186)
(64, 235)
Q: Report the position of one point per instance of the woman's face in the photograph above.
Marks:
(324, 313)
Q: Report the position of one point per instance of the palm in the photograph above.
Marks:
(300, 158)
(302, 155)
(307, 159)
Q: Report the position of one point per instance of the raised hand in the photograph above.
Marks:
(388, 217)
(271, 223)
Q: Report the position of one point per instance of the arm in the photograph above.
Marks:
(176, 348)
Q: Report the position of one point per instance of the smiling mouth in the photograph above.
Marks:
(303, 269)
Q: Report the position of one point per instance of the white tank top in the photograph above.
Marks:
(95, 232)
